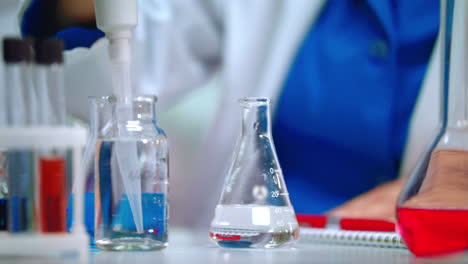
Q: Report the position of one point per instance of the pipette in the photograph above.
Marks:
(118, 18)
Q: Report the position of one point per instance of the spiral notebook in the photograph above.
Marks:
(355, 232)
(354, 238)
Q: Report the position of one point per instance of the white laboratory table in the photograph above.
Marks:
(188, 247)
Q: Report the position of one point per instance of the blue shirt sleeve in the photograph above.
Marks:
(342, 119)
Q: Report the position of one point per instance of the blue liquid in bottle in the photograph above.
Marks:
(88, 215)
(116, 224)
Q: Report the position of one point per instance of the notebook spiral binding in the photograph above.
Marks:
(355, 238)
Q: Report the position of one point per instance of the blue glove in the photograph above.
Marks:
(79, 37)
(39, 21)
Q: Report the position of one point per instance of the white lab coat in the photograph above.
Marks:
(251, 44)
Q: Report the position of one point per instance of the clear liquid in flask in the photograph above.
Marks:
(254, 210)
(254, 226)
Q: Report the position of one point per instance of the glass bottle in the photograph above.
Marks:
(131, 176)
(254, 210)
(432, 209)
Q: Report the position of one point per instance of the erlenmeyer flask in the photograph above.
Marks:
(433, 209)
(131, 189)
(254, 209)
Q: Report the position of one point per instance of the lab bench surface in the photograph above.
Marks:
(190, 247)
(195, 247)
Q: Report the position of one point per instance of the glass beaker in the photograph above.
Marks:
(254, 210)
(131, 176)
(432, 209)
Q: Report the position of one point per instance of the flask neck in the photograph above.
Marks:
(255, 117)
(454, 33)
(142, 108)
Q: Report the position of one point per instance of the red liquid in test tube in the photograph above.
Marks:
(52, 193)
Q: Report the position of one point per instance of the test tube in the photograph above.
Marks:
(18, 54)
(52, 162)
(3, 191)
(3, 178)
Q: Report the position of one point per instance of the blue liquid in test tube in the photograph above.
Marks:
(21, 191)
(3, 214)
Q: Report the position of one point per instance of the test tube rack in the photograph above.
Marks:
(38, 244)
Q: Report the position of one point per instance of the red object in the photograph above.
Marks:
(349, 224)
(366, 225)
(309, 220)
(52, 209)
(226, 237)
(433, 231)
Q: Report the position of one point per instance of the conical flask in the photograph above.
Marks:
(254, 210)
(433, 207)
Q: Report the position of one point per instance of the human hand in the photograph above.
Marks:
(445, 185)
(76, 12)
(378, 203)
(44, 18)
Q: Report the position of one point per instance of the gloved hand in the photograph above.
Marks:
(41, 19)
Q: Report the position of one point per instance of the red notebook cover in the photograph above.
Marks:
(349, 224)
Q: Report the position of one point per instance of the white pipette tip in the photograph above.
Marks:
(117, 18)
